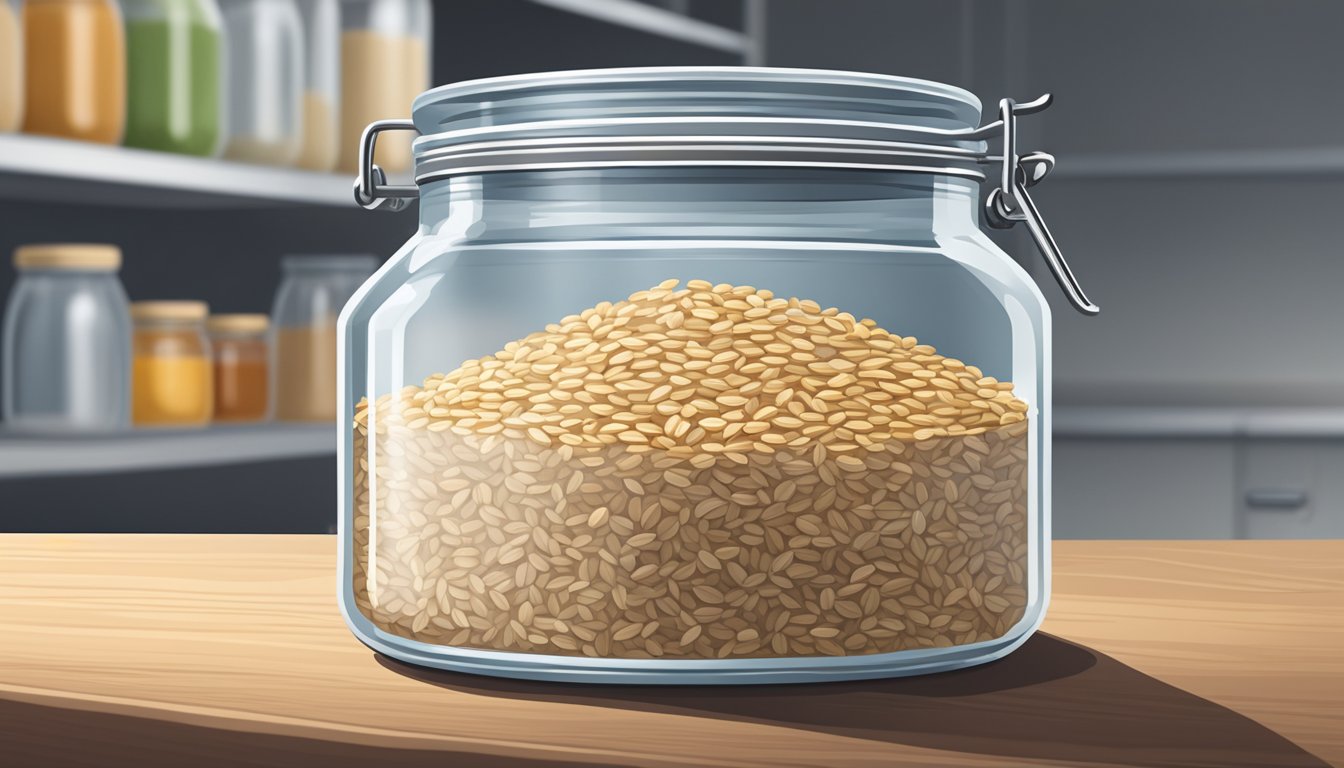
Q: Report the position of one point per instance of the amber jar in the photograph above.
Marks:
(171, 383)
(76, 70)
(241, 364)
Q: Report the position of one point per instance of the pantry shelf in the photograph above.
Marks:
(29, 456)
(1196, 164)
(56, 170)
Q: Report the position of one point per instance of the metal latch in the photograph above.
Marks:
(371, 188)
(1009, 203)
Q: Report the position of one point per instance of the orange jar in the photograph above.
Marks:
(241, 355)
(171, 378)
(75, 64)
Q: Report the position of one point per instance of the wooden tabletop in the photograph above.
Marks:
(229, 650)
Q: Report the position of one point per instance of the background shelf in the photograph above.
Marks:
(23, 456)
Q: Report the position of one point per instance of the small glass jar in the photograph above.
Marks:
(67, 341)
(322, 84)
(701, 375)
(11, 65)
(174, 74)
(265, 77)
(386, 60)
(173, 381)
(312, 291)
(242, 359)
(75, 70)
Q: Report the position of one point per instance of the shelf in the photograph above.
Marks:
(23, 456)
(1188, 422)
(58, 170)
(1236, 163)
(657, 21)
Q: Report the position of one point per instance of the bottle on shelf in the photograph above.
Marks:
(174, 75)
(265, 81)
(312, 292)
(74, 70)
(241, 362)
(173, 379)
(66, 341)
(11, 66)
(322, 83)
(386, 54)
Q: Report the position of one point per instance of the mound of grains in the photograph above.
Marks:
(697, 472)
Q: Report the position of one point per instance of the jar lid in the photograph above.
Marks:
(242, 324)
(184, 311)
(68, 256)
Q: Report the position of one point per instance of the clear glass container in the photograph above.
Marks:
(172, 375)
(387, 51)
(11, 65)
(242, 367)
(312, 291)
(322, 84)
(697, 375)
(67, 341)
(265, 81)
(74, 69)
(174, 75)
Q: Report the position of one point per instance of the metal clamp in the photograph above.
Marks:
(371, 188)
(1009, 203)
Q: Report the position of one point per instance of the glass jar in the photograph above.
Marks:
(172, 376)
(322, 83)
(11, 66)
(67, 341)
(697, 375)
(265, 81)
(174, 74)
(312, 291)
(75, 70)
(242, 361)
(386, 56)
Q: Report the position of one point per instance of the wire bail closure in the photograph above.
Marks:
(372, 191)
(1010, 203)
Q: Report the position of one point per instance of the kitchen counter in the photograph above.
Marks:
(230, 650)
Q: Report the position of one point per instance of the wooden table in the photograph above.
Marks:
(229, 650)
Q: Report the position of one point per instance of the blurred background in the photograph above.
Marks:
(1199, 171)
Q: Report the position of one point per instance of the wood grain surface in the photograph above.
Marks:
(229, 650)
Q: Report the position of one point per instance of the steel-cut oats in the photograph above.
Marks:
(697, 472)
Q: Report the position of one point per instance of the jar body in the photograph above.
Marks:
(312, 292)
(265, 81)
(322, 84)
(174, 75)
(807, 510)
(386, 56)
(75, 70)
(173, 378)
(11, 66)
(242, 377)
(67, 340)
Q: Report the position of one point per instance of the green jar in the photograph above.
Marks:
(174, 69)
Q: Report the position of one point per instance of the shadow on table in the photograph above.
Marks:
(1049, 700)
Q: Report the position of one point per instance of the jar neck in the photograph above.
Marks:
(797, 204)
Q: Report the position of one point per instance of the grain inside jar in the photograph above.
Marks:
(698, 472)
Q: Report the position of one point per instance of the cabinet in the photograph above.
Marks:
(1291, 489)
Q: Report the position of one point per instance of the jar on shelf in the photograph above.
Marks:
(322, 84)
(11, 65)
(67, 341)
(312, 291)
(174, 75)
(241, 362)
(386, 56)
(173, 378)
(75, 70)
(265, 81)
(700, 375)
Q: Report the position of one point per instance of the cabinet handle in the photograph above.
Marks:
(1279, 499)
